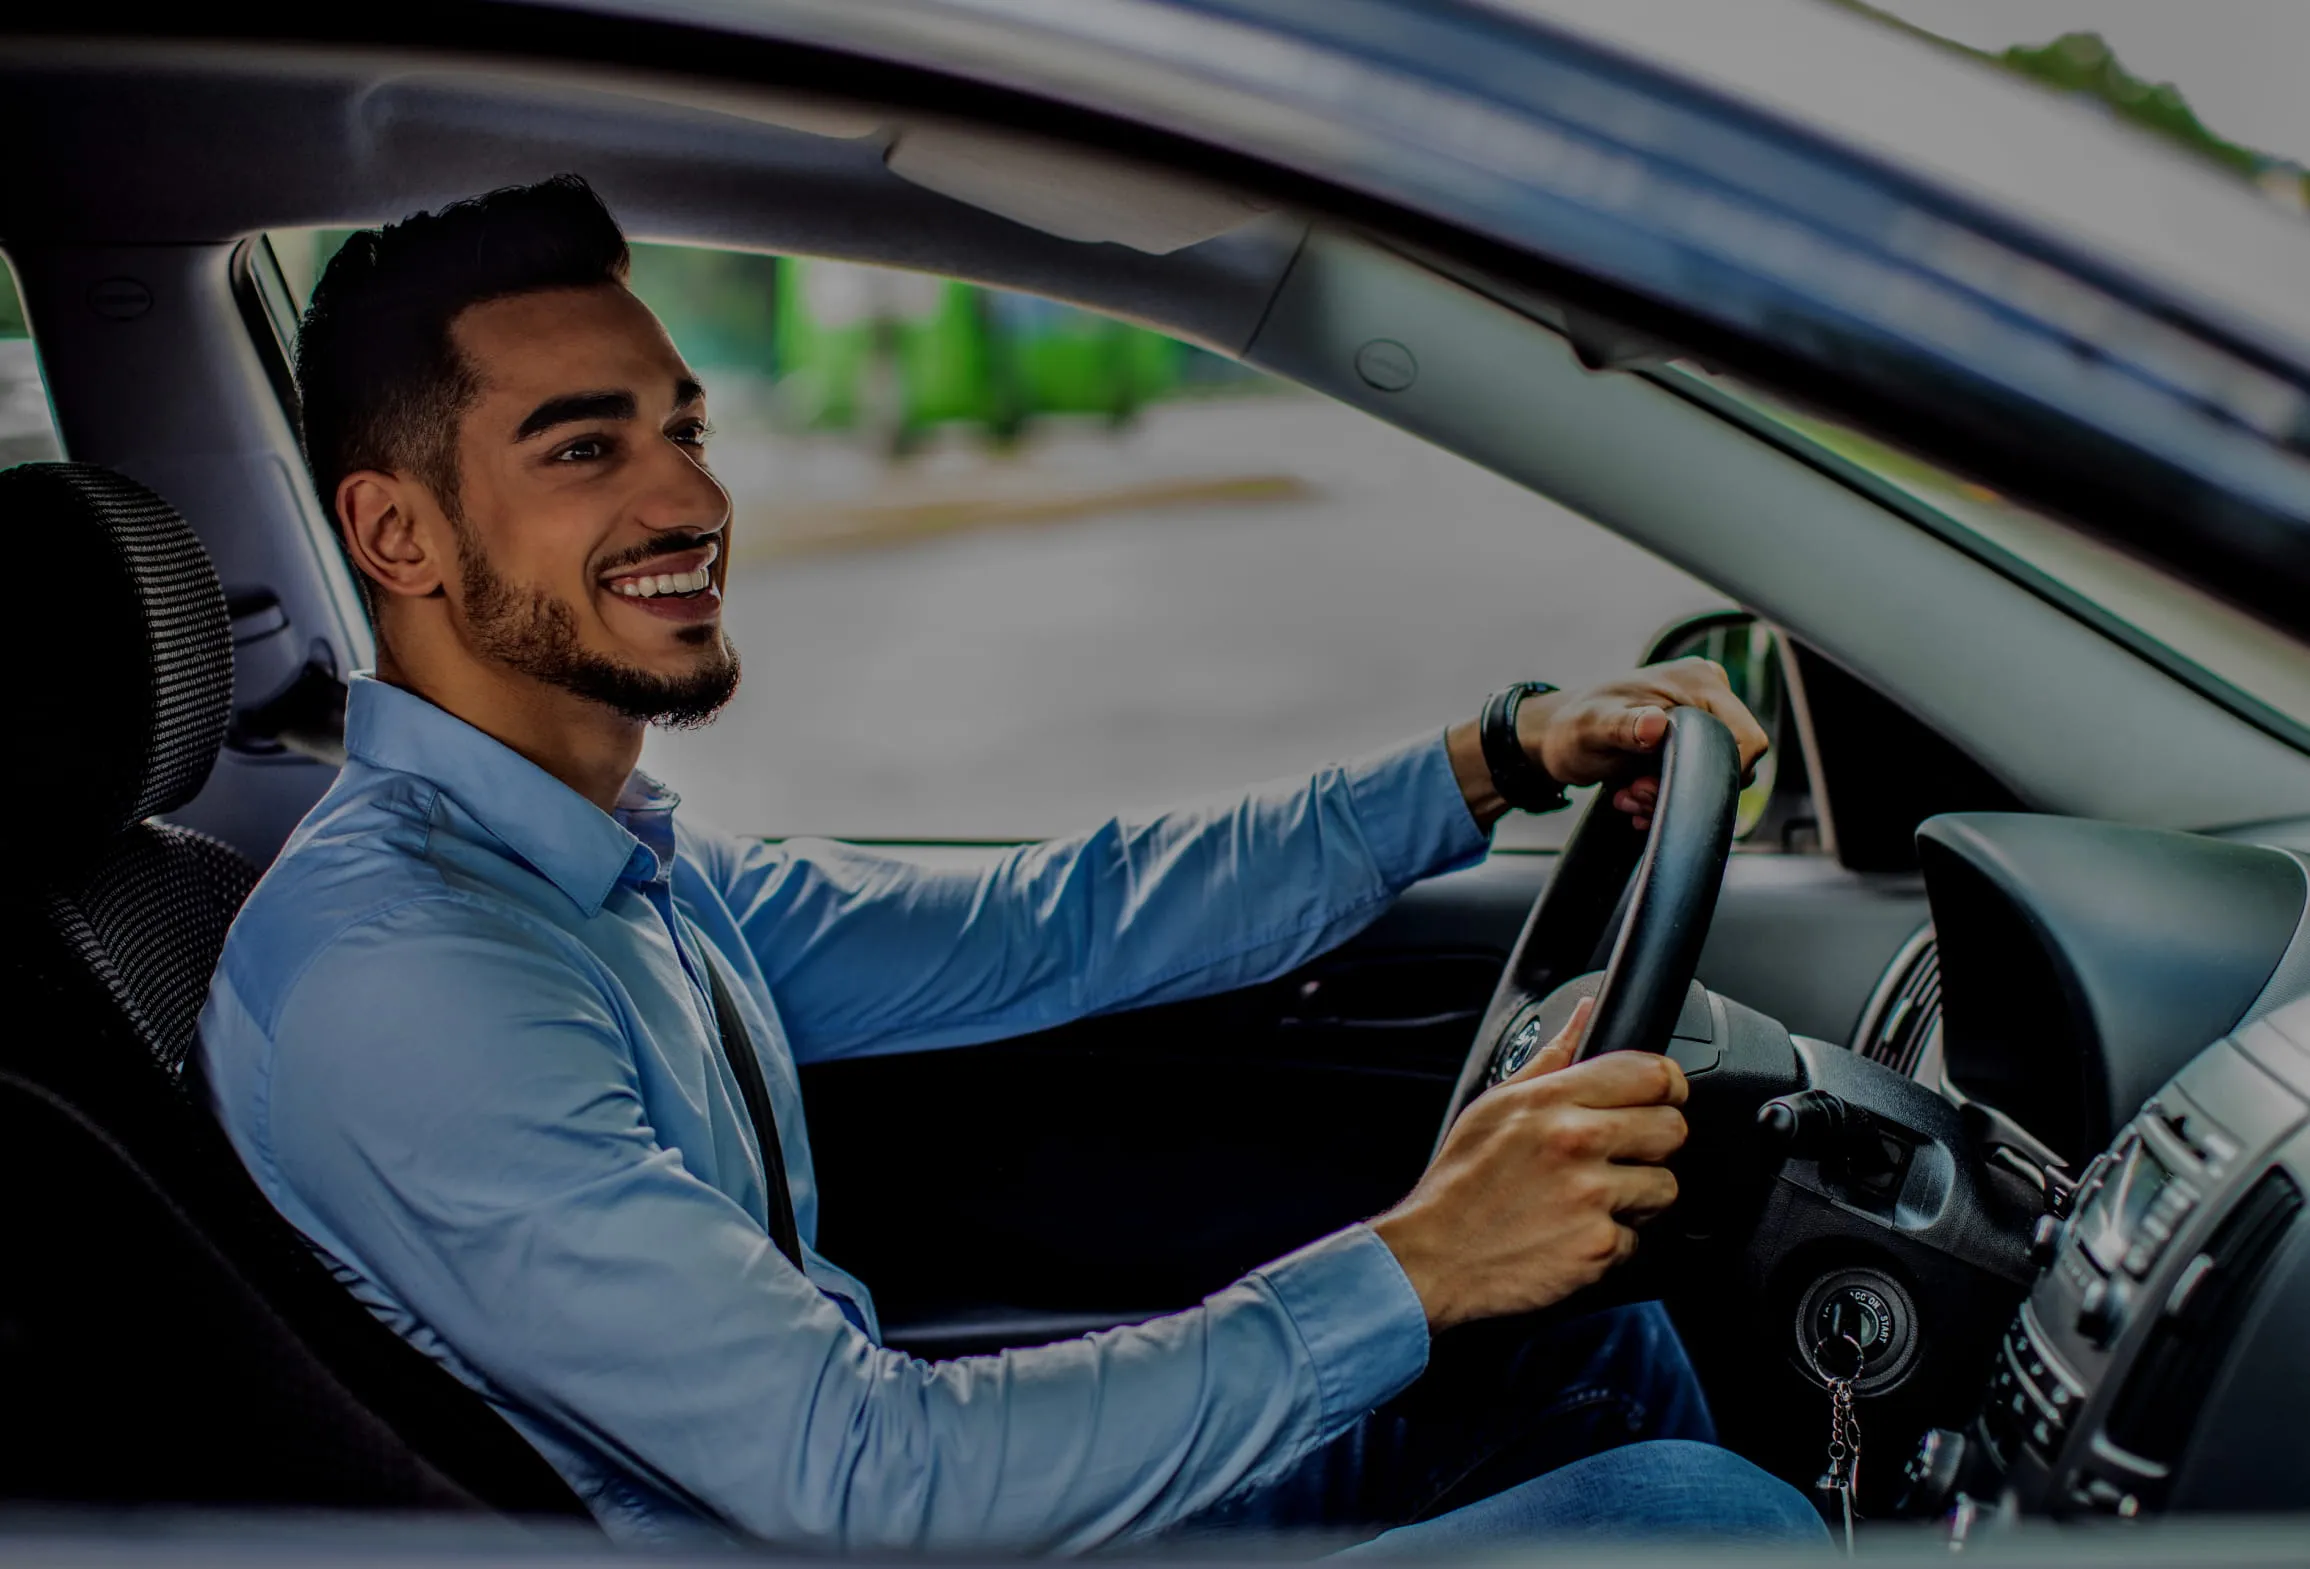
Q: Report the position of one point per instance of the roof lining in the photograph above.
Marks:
(209, 143)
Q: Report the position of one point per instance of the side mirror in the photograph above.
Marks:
(1777, 803)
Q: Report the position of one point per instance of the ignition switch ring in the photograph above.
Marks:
(1889, 1354)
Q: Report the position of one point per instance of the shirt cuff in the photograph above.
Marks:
(1356, 1312)
(1414, 814)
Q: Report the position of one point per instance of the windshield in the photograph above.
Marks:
(2256, 671)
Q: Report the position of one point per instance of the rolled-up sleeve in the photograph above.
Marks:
(868, 951)
(478, 1147)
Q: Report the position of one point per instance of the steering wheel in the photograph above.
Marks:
(1678, 865)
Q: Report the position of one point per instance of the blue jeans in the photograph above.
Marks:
(1593, 1427)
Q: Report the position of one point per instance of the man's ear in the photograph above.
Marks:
(383, 519)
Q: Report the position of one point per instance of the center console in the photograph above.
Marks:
(2162, 1359)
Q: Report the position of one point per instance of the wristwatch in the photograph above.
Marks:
(1522, 783)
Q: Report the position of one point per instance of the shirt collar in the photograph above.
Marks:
(573, 843)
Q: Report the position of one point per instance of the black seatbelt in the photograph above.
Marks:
(738, 1052)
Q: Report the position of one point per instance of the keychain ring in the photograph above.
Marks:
(1846, 1349)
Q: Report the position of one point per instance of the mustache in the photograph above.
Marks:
(663, 545)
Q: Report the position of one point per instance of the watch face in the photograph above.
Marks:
(1523, 1040)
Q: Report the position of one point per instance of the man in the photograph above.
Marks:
(517, 1053)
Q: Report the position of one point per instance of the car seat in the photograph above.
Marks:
(165, 1337)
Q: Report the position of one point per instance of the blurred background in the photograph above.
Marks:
(940, 489)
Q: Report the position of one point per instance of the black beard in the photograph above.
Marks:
(536, 634)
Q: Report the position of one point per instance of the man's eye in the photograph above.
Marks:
(586, 449)
(694, 433)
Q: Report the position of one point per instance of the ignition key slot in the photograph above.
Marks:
(1871, 1308)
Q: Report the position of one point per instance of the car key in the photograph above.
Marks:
(1839, 1359)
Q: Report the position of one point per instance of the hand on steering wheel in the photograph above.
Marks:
(1539, 1189)
(1535, 1193)
(1677, 868)
(1592, 736)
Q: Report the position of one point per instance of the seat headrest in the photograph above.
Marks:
(124, 652)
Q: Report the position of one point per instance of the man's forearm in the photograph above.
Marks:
(1485, 803)
(869, 952)
(1465, 745)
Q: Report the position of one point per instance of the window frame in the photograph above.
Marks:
(1864, 482)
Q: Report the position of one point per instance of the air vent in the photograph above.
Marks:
(2178, 1365)
(1897, 1032)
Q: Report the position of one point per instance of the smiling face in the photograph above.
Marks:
(590, 538)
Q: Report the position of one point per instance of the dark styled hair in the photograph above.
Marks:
(379, 379)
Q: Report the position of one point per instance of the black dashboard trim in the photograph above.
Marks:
(2084, 963)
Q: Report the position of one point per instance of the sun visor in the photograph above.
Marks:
(1074, 195)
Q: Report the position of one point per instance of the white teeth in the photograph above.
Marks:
(664, 583)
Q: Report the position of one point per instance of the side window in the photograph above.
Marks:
(1000, 567)
(27, 423)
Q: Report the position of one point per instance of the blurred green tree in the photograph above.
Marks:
(2085, 63)
(11, 308)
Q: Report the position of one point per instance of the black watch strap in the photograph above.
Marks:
(1522, 783)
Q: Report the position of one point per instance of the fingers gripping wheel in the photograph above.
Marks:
(1677, 870)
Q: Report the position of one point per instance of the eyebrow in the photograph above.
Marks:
(572, 408)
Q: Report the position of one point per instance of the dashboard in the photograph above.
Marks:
(2137, 1004)
(2073, 966)
(2157, 1363)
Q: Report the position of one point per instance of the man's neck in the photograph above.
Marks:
(587, 746)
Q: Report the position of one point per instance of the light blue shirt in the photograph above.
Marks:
(460, 1037)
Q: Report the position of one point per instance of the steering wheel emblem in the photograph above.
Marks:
(1517, 1050)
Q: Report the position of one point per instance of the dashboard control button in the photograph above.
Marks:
(2099, 1312)
(2141, 1258)
(2101, 1494)
(1932, 1474)
(2196, 1130)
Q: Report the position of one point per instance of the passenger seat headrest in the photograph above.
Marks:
(123, 651)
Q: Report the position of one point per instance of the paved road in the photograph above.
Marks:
(27, 432)
(1015, 682)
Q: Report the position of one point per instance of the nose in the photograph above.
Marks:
(682, 493)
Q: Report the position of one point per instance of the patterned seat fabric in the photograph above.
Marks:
(149, 922)
(164, 1336)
